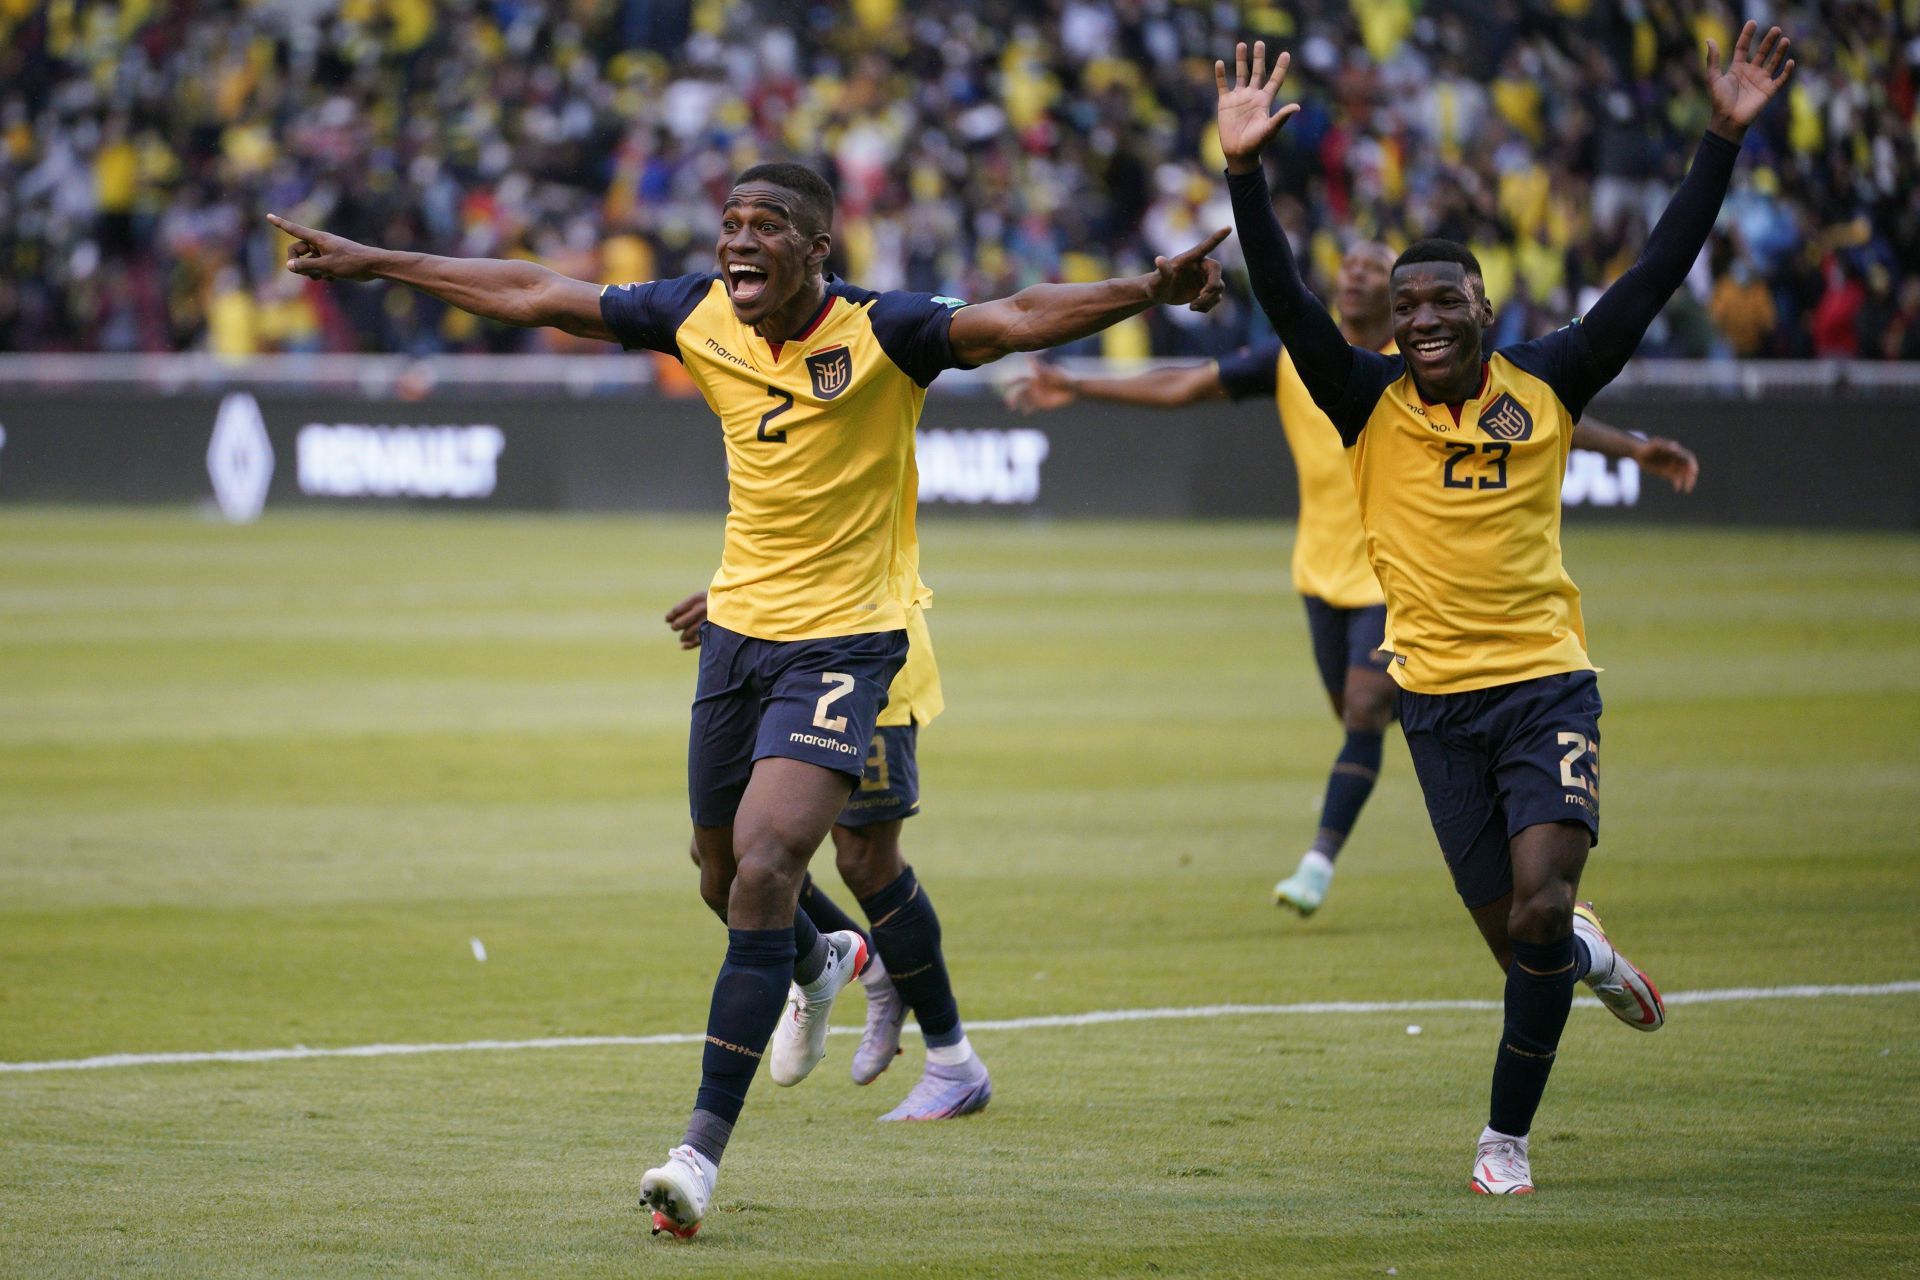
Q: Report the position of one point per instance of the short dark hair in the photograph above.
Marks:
(815, 192)
(1434, 249)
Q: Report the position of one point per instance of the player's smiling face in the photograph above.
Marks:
(765, 253)
(1439, 313)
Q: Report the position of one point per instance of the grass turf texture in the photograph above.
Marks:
(259, 787)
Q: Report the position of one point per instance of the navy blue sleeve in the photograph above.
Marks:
(1611, 331)
(1563, 361)
(647, 316)
(1343, 380)
(1250, 371)
(912, 329)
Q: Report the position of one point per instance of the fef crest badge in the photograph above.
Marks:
(1504, 419)
(831, 371)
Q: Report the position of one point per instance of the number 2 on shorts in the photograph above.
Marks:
(1577, 746)
(842, 686)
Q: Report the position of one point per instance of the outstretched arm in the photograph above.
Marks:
(517, 293)
(1052, 315)
(1618, 321)
(1050, 387)
(1669, 459)
(1246, 121)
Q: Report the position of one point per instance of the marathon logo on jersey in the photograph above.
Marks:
(831, 371)
(1504, 419)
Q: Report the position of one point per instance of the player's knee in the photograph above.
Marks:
(1368, 710)
(766, 874)
(1546, 915)
(868, 858)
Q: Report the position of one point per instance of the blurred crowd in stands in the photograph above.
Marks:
(978, 146)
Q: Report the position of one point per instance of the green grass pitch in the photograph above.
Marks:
(259, 787)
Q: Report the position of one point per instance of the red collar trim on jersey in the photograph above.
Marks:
(807, 332)
(1486, 376)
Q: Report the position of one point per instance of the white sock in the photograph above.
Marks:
(1491, 1134)
(1317, 860)
(1599, 952)
(875, 978)
(950, 1055)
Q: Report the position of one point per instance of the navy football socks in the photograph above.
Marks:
(906, 933)
(825, 913)
(747, 998)
(1354, 773)
(809, 949)
(1539, 994)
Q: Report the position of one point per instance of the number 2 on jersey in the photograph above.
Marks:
(786, 403)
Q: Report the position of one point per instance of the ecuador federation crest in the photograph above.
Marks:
(831, 371)
(1504, 419)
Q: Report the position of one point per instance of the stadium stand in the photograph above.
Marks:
(977, 146)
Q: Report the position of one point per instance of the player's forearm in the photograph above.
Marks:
(502, 289)
(1161, 389)
(1051, 315)
(1597, 437)
(1620, 318)
(1320, 353)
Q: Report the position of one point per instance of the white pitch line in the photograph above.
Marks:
(1721, 995)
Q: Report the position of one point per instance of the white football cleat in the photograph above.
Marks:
(1307, 887)
(886, 1013)
(1500, 1166)
(800, 1038)
(1628, 993)
(678, 1192)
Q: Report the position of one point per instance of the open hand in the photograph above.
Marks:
(1670, 460)
(686, 618)
(324, 257)
(1245, 113)
(1044, 388)
(1742, 89)
(1191, 277)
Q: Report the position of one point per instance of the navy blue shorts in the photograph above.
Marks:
(1494, 762)
(890, 788)
(1345, 638)
(812, 700)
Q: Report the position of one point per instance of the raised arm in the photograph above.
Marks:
(1050, 387)
(1740, 91)
(1668, 459)
(1246, 121)
(517, 293)
(1052, 315)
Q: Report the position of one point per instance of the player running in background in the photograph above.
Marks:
(905, 936)
(1458, 457)
(1346, 611)
(818, 386)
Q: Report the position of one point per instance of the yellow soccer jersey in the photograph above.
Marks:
(914, 697)
(1329, 547)
(1462, 515)
(821, 479)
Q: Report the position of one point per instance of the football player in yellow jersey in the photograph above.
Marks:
(818, 386)
(1458, 456)
(866, 846)
(1346, 610)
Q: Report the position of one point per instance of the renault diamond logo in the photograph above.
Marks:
(1504, 419)
(240, 459)
(832, 370)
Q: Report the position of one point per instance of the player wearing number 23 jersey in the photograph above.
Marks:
(1458, 454)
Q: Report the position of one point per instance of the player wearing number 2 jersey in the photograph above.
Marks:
(1457, 460)
(818, 386)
